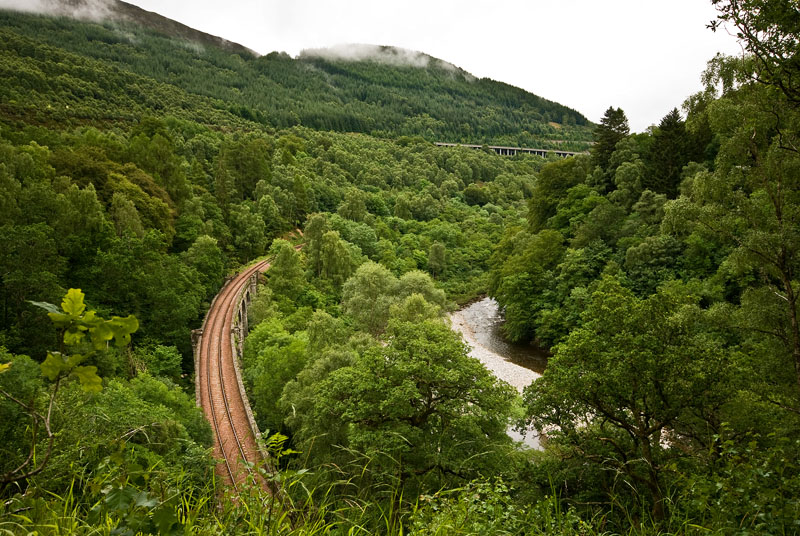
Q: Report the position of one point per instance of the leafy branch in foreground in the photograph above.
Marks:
(82, 334)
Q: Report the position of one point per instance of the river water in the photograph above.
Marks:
(518, 364)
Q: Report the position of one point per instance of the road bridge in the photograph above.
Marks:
(513, 151)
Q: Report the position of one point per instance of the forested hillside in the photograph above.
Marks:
(380, 96)
(145, 195)
(660, 270)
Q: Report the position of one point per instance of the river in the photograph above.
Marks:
(518, 364)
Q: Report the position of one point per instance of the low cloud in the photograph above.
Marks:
(79, 9)
(381, 54)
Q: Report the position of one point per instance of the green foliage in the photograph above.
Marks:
(160, 360)
(552, 183)
(661, 270)
(367, 296)
(272, 357)
(613, 128)
(437, 259)
(417, 282)
(20, 377)
(767, 31)
(146, 429)
(523, 281)
(414, 308)
(749, 203)
(672, 321)
(490, 507)
(140, 276)
(668, 154)
(48, 84)
(26, 246)
(337, 260)
(371, 292)
(205, 256)
(634, 371)
(81, 331)
(126, 217)
(419, 391)
(249, 231)
(752, 489)
(286, 272)
(74, 324)
(382, 99)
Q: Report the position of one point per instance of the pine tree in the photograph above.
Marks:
(612, 128)
(668, 155)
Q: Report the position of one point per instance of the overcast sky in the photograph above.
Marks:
(645, 56)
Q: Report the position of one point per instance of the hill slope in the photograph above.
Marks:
(320, 91)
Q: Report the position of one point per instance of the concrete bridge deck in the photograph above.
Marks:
(513, 151)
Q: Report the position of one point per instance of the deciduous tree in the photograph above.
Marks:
(634, 371)
(419, 407)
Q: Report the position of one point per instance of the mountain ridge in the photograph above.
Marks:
(121, 11)
(322, 89)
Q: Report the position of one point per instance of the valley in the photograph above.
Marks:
(246, 294)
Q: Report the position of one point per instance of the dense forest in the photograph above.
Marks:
(381, 96)
(660, 270)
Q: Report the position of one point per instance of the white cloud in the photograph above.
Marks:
(381, 54)
(80, 9)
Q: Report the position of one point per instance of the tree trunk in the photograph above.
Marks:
(791, 297)
(659, 512)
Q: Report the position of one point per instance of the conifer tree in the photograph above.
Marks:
(612, 128)
(668, 155)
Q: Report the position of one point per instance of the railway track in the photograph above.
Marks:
(218, 387)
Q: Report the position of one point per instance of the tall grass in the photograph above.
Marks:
(331, 500)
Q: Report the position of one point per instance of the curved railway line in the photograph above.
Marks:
(219, 390)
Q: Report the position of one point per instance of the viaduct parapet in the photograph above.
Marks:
(513, 151)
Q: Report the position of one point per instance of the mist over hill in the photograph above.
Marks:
(378, 90)
(389, 55)
(121, 12)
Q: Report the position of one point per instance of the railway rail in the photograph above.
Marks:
(219, 388)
